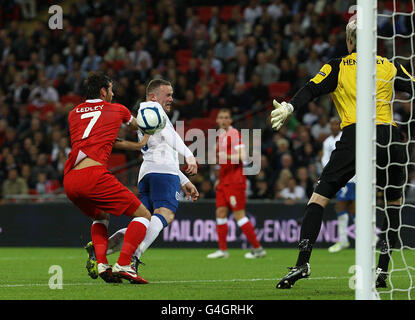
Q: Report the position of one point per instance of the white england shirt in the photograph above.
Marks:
(160, 155)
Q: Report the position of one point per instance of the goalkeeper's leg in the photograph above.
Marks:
(388, 240)
(393, 178)
(310, 229)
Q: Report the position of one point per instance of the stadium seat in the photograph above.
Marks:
(196, 123)
(226, 12)
(204, 14)
(55, 83)
(390, 5)
(183, 56)
(117, 65)
(202, 123)
(198, 89)
(71, 98)
(213, 113)
(97, 22)
(221, 78)
(31, 108)
(183, 68)
(45, 109)
(279, 89)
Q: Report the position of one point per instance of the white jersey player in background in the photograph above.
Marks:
(345, 198)
(160, 179)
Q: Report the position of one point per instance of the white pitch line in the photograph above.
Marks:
(38, 258)
(99, 283)
(166, 282)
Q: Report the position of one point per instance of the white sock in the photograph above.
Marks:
(343, 222)
(153, 231)
(116, 241)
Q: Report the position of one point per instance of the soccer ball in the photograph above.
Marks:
(150, 121)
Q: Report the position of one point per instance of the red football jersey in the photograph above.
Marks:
(93, 127)
(230, 142)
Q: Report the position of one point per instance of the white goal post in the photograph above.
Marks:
(366, 151)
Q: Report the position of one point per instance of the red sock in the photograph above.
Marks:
(249, 232)
(135, 233)
(99, 235)
(222, 231)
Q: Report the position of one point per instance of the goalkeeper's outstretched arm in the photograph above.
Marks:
(324, 82)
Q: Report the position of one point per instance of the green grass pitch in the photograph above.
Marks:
(186, 274)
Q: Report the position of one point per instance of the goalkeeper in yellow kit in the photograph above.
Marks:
(338, 78)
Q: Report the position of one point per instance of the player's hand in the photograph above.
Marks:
(143, 141)
(128, 145)
(191, 165)
(190, 191)
(280, 114)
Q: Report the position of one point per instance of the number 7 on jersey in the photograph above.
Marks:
(94, 115)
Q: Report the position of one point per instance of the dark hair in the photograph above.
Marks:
(155, 84)
(225, 110)
(93, 84)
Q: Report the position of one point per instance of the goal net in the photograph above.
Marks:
(396, 236)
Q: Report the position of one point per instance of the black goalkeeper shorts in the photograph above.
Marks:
(341, 166)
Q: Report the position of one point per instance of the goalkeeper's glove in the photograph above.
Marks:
(280, 114)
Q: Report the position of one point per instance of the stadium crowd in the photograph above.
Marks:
(239, 56)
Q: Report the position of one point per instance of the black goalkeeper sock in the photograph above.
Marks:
(310, 229)
(391, 222)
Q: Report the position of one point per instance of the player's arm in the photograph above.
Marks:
(175, 141)
(403, 80)
(324, 82)
(132, 124)
(188, 188)
(237, 157)
(127, 118)
(131, 145)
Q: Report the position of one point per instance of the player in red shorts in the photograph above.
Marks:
(230, 190)
(94, 127)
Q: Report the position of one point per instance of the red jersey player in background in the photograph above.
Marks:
(231, 188)
(94, 127)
